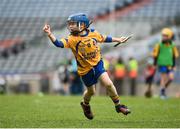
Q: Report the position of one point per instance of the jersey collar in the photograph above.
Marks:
(86, 34)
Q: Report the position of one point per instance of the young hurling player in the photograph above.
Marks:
(83, 43)
(165, 54)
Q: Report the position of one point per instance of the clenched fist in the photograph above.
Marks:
(47, 29)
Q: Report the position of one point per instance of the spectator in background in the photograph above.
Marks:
(165, 54)
(106, 64)
(76, 86)
(119, 75)
(149, 75)
(66, 80)
(133, 73)
(112, 62)
(3, 87)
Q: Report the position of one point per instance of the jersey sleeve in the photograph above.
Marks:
(175, 52)
(66, 42)
(100, 38)
(156, 50)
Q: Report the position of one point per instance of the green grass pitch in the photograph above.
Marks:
(65, 111)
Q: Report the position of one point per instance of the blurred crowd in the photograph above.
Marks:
(125, 73)
(117, 69)
(66, 81)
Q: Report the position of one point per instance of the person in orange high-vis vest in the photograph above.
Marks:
(119, 74)
(133, 73)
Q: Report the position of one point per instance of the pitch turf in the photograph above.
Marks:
(58, 111)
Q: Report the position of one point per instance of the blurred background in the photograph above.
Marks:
(29, 63)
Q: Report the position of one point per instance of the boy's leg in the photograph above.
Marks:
(133, 86)
(162, 84)
(111, 90)
(88, 93)
(170, 79)
(148, 92)
(105, 80)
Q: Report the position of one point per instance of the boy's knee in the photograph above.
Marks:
(109, 85)
(171, 77)
(91, 92)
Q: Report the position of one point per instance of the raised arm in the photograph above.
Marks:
(47, 30)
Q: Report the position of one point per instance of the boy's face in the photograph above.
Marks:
(165, 37)
(73, 26)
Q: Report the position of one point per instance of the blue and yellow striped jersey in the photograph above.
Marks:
(85, 49)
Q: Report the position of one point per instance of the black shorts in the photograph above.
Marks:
(149, 80)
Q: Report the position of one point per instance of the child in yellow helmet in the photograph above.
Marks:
(165, 54)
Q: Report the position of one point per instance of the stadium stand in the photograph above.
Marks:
(33, 60)
(158, 9)
(23, 20)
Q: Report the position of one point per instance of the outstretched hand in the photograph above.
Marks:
(47, 29)
(122, 40)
